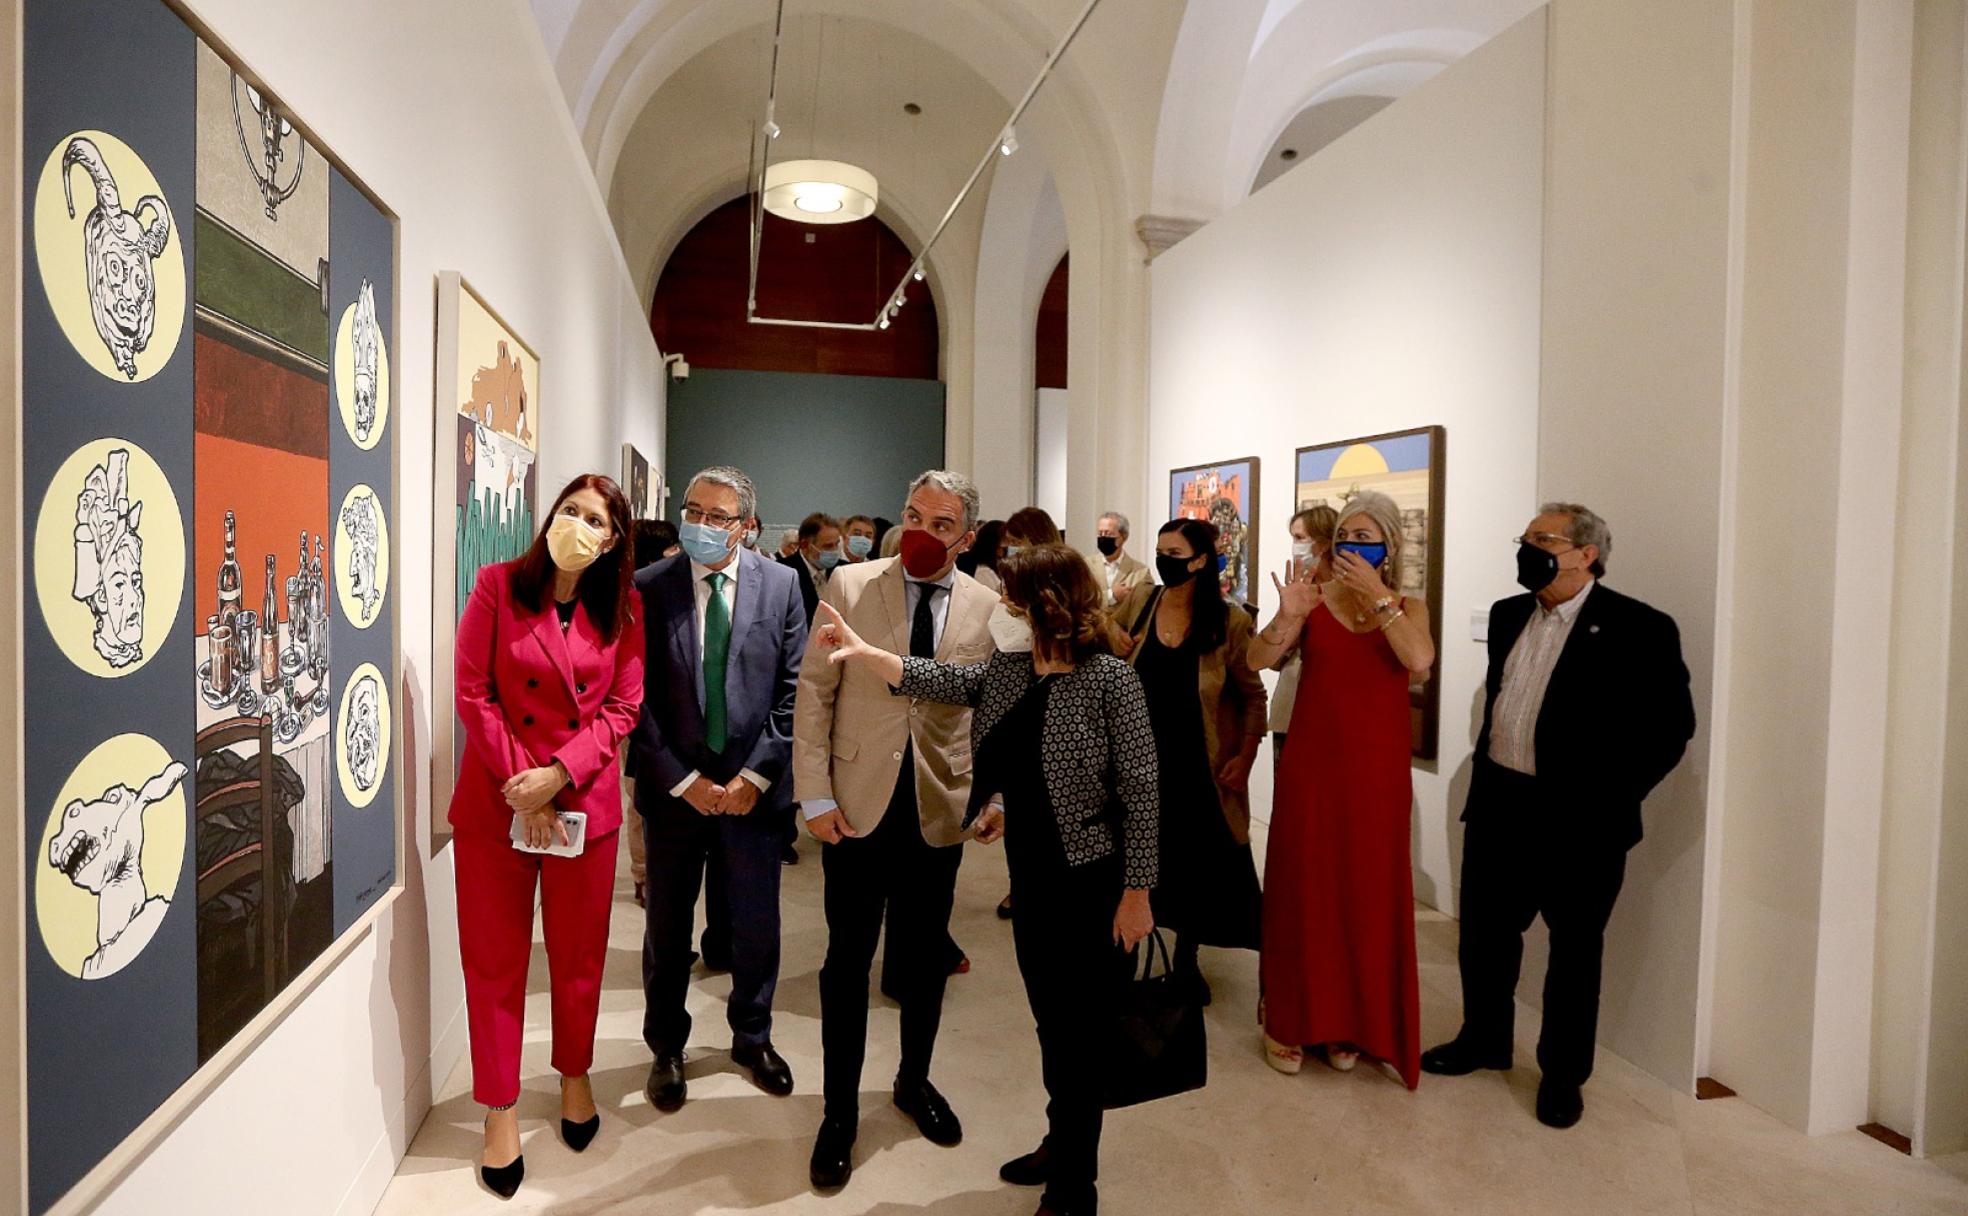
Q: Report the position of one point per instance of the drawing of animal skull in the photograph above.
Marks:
(99, 848)
(362, 732)
(119, 251)
(363, 519)
(367, 340)
(109, 574)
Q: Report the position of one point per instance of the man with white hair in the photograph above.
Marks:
(1119, 572)
(1587, 711)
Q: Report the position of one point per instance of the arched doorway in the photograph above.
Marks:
(1053, 407)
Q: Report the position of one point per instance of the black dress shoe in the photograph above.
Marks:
(580, 1135)
(665, 1086)
(769, 1070)
(1559, 1105)
(1033, 1169)
(934, 1118)
(833, 1155)
(503, 1180)
(1456, 1058)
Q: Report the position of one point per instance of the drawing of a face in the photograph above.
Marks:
(109, 560)
(101, 842)
(368, 345)
(361, 731)
(118, 249)
(365, 537)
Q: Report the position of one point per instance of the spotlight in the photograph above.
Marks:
(900, 300)
(771, 129)
(919, 276)
(883, 323)
(1009, 143)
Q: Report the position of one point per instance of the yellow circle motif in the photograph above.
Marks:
(362, 735)
(362, 557)
(109, 557)
(356, 407)
(110, 856)
(110, 248)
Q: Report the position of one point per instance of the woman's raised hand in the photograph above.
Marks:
(833, 636)
(1300, 595)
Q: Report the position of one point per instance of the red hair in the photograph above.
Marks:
(607, 588)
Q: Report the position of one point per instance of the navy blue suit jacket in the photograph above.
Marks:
(768, 637)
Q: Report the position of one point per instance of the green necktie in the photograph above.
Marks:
(717, 649)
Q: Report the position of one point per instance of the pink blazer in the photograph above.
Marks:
(529, 694)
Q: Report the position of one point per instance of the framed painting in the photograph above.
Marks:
(1407, 466)
(1223, 493)
(635, 481)
(208, 448)
(487, 484)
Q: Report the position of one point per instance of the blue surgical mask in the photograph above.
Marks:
(828, 559)
(705, 545)
(860, 546)
(1373, 555)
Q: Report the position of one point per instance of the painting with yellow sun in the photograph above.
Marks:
(1407, 467)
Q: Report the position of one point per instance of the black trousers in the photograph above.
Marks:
(680, 844)
(892, 867)
(1527, 853)
(1064, 938)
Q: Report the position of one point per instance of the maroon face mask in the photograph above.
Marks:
(922, 554)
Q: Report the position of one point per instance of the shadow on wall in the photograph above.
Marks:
(1427, 889)
(400, 992)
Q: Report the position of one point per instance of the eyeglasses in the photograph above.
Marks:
(1543, 540)
(717, 519)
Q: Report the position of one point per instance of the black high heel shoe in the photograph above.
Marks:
(504, 1180)
(579, 1135)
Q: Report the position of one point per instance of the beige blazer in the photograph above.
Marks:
(1132, 574)
(849, 728)
(1232, 695)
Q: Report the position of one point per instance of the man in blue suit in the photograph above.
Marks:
(726, 631)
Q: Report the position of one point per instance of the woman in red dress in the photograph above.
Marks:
(1338, 968)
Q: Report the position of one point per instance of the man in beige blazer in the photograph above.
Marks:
(883, 782)
(1118, 573)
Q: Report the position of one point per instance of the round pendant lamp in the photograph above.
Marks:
(820, 192)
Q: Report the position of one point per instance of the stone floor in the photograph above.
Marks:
(1252, 1142)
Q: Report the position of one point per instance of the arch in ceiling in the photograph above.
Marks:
(1245, 69)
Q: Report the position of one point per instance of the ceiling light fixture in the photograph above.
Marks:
(790, 189)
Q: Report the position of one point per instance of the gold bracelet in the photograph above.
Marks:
(1390, 620)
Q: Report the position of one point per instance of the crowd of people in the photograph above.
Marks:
(904, 689)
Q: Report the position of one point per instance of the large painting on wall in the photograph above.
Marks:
(1407, 467)
(487, 484)
(1225, 494)
(205, 383)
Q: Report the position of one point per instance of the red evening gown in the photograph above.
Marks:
(1339, 938)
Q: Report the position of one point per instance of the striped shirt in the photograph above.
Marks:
(1526, 675)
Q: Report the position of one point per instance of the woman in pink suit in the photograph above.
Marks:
(549, 677)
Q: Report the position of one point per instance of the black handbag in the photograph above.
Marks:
(1157, 1047)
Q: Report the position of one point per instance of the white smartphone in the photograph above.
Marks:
(576, 823)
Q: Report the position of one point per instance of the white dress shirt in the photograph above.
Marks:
(1110, 569)
(700, 585)
(1526, 676)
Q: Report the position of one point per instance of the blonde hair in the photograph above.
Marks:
(1387, 516)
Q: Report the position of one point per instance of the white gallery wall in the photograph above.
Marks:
(1389, 282)
(448, 111)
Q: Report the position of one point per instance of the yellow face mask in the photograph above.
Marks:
(573, 545)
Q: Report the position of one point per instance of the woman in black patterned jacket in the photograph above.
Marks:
(1086, 823)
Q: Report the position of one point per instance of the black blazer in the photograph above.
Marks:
(809, 594)
(1098, 754)
(1616, 719)
(768, 639)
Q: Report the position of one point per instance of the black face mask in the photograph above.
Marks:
(1536, 569)
(1109, 545)
(1174, 571)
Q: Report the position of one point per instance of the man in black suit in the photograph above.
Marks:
(1588, 709)
(712, 757)
(814, 561)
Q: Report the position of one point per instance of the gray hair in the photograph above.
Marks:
(1386, 514)
(1120, 522)
(732, 479)
(956, 484)
(1583, 527)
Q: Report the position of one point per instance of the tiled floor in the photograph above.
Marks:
(1252, 1142)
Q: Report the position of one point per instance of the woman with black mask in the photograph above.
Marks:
(1188, 644)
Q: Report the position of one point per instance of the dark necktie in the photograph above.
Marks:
(922, 630)
(717, 651)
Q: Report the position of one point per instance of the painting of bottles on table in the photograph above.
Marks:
(208, 456)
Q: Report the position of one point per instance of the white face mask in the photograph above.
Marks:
(1302, 549)
(1012, 634)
